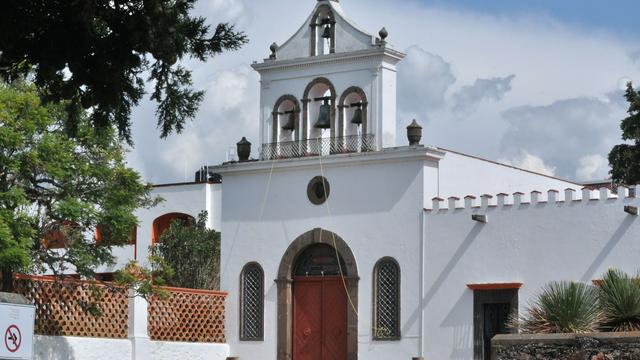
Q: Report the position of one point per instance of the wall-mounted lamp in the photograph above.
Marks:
(632, 210)
(479, 218)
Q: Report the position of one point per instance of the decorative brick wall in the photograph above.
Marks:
(188, 315)
(598, 346)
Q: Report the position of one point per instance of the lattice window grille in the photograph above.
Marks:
(387, 300)
(252, 306)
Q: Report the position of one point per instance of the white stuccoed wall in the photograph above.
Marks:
(376, 207)
(461, 175)
(82, 348)
(529, 243)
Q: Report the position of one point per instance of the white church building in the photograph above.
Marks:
(340, 244)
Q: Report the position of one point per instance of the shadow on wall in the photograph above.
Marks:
(460, 320)
(52, 348)
(613, 241)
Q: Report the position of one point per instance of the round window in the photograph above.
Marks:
(318, 190)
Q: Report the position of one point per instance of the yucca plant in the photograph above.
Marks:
(620, 301)
(561, 307)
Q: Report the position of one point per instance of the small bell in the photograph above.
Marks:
(357, 116)
(291, 123)
(323, 119)
(326, 34)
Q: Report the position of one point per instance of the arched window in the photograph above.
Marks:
(59, 234)
(252, 303)
(386, 306)
(162, 224)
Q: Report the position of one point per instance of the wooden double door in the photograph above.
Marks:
(319, 318)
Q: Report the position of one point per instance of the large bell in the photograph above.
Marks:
(291, 123)
(324, 121)
(357, 117)
(326, 34)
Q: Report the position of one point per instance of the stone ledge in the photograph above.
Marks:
(605, 337)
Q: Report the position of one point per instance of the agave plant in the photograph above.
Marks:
(561, 307)
(620, 301)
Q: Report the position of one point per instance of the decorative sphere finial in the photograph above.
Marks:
(273, 48)
(383, 34)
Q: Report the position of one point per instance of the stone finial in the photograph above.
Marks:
(383, 34)
(414, 133)
(244, 149)
(273, 48)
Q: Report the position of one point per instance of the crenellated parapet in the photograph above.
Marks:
(535, 199)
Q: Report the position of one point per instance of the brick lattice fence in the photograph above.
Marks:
(188, 315)
(61, 307)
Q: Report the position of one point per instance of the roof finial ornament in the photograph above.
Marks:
(273, 48)
(383, 33)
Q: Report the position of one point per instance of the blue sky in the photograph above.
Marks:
(617, 16)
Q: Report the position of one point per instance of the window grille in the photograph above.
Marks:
(386, 312)
(252, 303)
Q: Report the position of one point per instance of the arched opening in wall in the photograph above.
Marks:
(60, 234)
(286, 119)
(162, 224)
(354, 112)
(319, 114)
(317, 307)
(323, 34)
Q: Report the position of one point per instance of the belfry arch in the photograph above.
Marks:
(357, 94)
(285, 281)
(281, 111)
(318, 87)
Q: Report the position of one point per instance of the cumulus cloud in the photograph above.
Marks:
(423, 80)
(465, 100)
(592, 167)
(526, 161)
(562, 132)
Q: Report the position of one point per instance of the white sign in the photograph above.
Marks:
(16, 328)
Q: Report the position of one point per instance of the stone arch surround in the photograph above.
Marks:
(284, 283)
(365, 109)
(306, 101)
(274, 113)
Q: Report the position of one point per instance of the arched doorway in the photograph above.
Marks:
(317, 308)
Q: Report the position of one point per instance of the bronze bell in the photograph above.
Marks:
(357, 116)
(324, 121)
(291, 123)
(327, 32)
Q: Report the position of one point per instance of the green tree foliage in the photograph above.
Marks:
(53, 184)
(624, 159)
(193, 253)
(95, 55)
(620, 301)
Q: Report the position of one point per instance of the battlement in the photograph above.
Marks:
(535, 198)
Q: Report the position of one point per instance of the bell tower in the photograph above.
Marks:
(330, 88)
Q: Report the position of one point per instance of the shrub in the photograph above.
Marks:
(561, 307)
(619, 296)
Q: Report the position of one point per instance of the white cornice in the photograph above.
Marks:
(387, 155)
(387, 54)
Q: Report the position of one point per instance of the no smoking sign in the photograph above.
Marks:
(16, 328)
(12, 338)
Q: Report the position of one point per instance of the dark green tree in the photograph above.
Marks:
(60, 188)
(96, 54)
(624, 159)
(193, 253)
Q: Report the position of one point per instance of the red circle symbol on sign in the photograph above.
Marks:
(12, 338)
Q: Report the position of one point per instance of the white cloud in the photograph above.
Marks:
(526, 161)
(592, 167)
(559, 107)
(493, 89)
